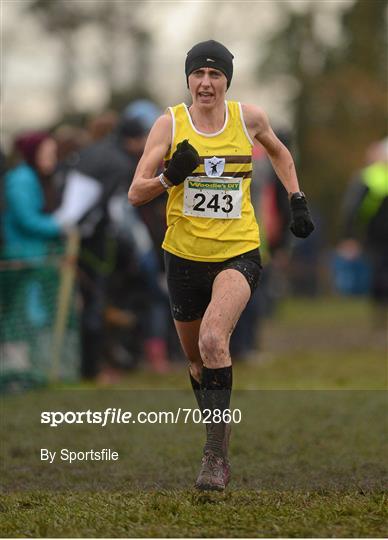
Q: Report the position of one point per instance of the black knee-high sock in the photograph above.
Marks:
(197, 391)
(216, 389)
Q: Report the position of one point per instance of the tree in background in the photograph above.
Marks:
(122, 61)
(340, 105)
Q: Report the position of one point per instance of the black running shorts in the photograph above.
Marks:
(190, 282)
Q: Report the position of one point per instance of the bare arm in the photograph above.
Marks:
(145, 185)
(259, 128)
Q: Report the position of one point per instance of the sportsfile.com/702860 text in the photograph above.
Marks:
(111, 415)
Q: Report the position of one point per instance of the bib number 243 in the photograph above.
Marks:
(218, 198)
(226, 205)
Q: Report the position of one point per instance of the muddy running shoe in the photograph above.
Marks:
(214, 474)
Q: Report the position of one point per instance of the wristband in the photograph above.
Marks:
(163, 181)
(296, 195)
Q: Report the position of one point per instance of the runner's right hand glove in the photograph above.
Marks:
(182, 163)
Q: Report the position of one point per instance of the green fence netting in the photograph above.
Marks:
(39, 333)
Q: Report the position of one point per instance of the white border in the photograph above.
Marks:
(244, 125)
(208, 134)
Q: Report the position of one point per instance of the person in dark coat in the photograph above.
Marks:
(99, 178)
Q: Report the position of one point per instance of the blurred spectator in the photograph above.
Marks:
(28, 232)
(29, 197)
(365, 214)
(143, 111)
(70, 140)
(153, 215)
(351, 268)
(102, 125)
(3, 169)
(94, 197)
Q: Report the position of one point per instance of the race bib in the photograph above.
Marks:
(212, 197)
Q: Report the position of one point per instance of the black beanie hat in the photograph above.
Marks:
(211, 54)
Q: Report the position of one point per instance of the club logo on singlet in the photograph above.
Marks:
(214, 166)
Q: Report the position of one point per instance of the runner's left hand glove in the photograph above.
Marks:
(183, 162)
(301, 222)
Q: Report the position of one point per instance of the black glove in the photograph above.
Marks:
(183, 162)
(301, 223)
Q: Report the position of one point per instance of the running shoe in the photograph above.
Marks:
(214, 474)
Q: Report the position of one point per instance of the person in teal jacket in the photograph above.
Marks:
(28, 232)
(27, 227)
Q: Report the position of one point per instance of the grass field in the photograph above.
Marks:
(308, 458)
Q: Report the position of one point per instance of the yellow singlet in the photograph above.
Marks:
(210, 216)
